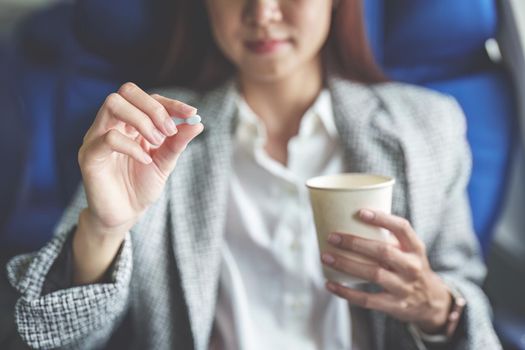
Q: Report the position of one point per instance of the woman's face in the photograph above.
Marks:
(271, 39)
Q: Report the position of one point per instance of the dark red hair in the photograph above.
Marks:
(194, 60)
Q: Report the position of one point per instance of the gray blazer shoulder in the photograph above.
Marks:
(433, 118)
(425, 110)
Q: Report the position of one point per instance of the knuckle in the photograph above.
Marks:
(127, 88)
(405, 224)
(385, 252)
(142, 123)
(404, 290)
(415, 270)
(159, 112)
(135, 149)
(152, 129)
(111, 137)
(112, 102)
(409, 289)
(403, 304)
(376, 274)
(348, 242)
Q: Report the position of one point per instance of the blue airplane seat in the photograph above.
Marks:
(13, 140)
(442, 45)
(31, 83)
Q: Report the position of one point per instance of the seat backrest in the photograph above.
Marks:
(13, 139)
(441, 44)
(438, 44)
(34, 73)
(67, 59)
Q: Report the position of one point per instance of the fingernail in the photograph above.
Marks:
(147, 158)
(334, 238)
(170, 127)
(366, 214)
(327, 258)
(158, 137)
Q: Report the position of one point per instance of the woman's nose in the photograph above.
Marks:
(263, 12)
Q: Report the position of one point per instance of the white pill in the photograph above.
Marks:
(194, 119)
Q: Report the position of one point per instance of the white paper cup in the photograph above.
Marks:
(336, 201)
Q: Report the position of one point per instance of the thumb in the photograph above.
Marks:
(165, 157)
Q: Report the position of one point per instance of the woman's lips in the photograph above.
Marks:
(265, 46)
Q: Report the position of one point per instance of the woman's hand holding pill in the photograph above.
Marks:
(128, 154)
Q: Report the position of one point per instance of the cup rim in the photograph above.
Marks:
(387, 181)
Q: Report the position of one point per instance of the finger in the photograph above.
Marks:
(130, 131)
(115, 141)
(383, 302)
(372, 273)
(151, 107)
(119, 108)
(166, 155)
(174, 107)
(400, 227)
(384, 253)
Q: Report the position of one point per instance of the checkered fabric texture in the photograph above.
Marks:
(167, 274)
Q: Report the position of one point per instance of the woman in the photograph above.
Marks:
(212, 246)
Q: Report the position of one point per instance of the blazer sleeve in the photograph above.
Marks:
(454, 253)
(82, 317)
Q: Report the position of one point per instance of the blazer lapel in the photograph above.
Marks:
(198, 202)
(364, 130)
(360, 121)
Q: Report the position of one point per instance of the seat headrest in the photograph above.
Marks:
(418, 31)
(124, 28)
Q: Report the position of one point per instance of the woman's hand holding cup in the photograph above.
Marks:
(412, 292)
(359, 246)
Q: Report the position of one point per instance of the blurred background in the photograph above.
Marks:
(11, 11)
(59, 59)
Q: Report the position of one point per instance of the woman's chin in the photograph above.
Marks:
(268, 74)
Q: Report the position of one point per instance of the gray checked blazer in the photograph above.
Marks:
(166, 275)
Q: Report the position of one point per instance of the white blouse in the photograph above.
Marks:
(272, 293)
